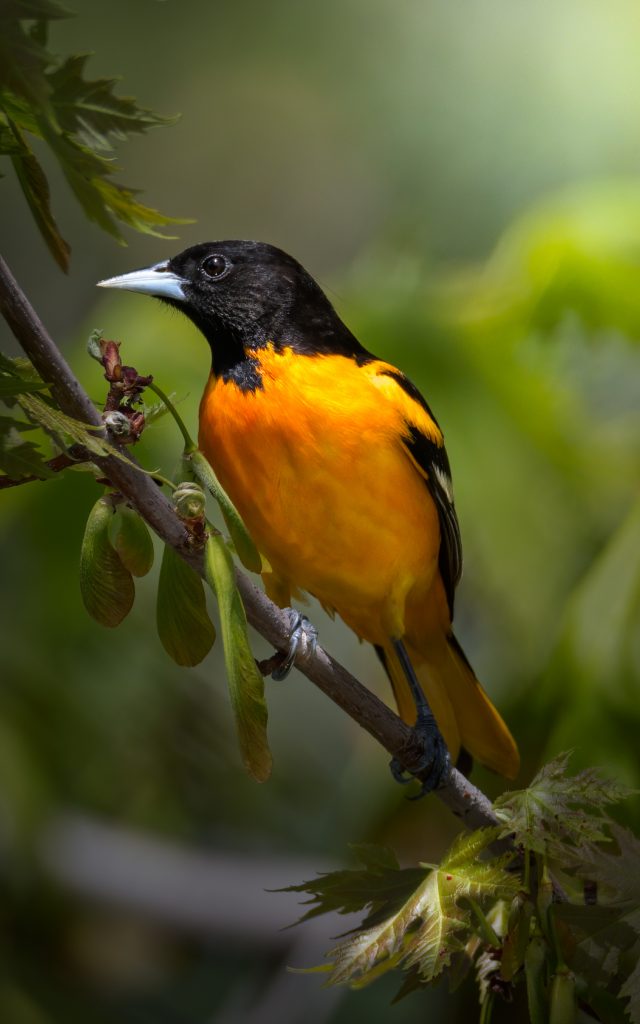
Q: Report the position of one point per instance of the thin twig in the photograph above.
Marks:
(399, 739)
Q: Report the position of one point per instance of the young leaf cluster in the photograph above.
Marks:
(24, 392)
(117, 545)
(518, 919)
(48, 98)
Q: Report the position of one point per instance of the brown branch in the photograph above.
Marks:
(399, 739)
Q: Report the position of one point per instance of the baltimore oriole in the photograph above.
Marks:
(338, 468)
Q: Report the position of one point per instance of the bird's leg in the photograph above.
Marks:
(303, 635)
(435, 759)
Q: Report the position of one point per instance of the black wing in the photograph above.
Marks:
(433, 460)
(434, 463)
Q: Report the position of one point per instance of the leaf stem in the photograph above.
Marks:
(486, 929)
(189, 443)
(526, 879)
(486, 1009)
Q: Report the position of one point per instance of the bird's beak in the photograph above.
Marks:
(157, 280)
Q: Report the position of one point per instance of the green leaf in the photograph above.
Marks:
(18, 366)
(156, 411)
(35, 188)
(242, 542)
(381, 886)
(246, 685)
(618, 870)
(59, 425)
(7, 424)
(105, 584)
(605, 936)
(184, 627)
(77, 118)
(133, 541)
(90, 111)
(426, 930)
(534, 967)
(557, 810)
(631, 991)
(12, 386)
(19, 459)
(563, 1006)
(517, 938)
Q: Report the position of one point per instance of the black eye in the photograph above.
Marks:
(215, 266)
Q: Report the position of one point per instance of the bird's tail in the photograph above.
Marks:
(466, 717)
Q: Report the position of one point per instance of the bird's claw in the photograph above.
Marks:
(434, 766)
(303, 638)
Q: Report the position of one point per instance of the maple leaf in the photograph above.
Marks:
(424, 929)
(558, 810)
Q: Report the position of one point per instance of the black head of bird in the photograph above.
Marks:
(242, 295)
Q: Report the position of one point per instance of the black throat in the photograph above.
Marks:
(235, 352)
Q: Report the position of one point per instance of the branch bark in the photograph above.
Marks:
(464, 799)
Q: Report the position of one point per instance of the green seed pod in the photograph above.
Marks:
(106, 584)
(184, 627)
(246, 684)
(133, 541)
(189, 500)
(517, 938)
(534, 966)
(563, 1008)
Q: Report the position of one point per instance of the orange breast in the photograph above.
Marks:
(315, 465)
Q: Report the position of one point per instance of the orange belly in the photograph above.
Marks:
(338, 510)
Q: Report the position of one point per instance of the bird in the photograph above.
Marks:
(338, 467)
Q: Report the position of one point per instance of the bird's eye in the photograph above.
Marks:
(215, 266)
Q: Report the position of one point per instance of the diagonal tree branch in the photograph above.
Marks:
(399, 739)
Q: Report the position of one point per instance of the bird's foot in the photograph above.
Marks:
(434, 766)
(303, 639)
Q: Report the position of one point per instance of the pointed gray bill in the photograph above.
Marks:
(157, 280)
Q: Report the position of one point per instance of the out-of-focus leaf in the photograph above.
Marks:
(618, 870)
(246, 685)
(631, 991)
(133, 541)
(242, 542)
(76, 118)
(602, 616)
(18, 366)
(576, 251)
(20, 459)
(105, 584)
(7, 424)
(12, 386)
(91, 111)
(184, 627)
(35, 187)
(557, 809)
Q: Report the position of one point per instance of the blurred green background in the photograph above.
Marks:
(464, 180)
